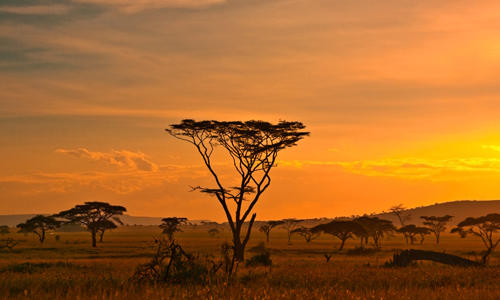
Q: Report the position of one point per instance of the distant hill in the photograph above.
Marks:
(460, 209)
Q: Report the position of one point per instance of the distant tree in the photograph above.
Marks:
(267, 228)
(253, 147)
(106, 225)
(436, 224)
(91, 215)
(4, 229)
(306, 233)
(410, 231)
(39, 225)
(398, 211)
(171, 225)
(342, 229)
(423, 231)
(23, 231)
(482, 227)
(289, 225)
(376, 228)
(213, 232)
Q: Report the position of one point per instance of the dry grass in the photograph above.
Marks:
(71, 269)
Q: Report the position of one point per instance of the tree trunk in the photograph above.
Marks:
(342, 245)
(437, 238)
(267, 237)
(94, 239)
(100, 237)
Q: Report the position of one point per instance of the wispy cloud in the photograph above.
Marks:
(411, 168)
(123, 158)
(497, 148)
(132, 6)
(37, 9)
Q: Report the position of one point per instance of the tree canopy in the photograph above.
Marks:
(171, 225)
(269, 226)
(342, 229)
(306, 233)
(410, 231)
(436, 224)
(483, 227)
(93, 216)
(253, 147)
(39, 224)
(376, 228)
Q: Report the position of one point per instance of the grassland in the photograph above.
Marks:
(71, 269)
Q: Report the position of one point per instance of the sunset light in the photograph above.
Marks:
(402, 100)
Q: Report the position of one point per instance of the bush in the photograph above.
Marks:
(263, 259)
(58, 237)
(361, 251)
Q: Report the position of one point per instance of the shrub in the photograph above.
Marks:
(263, 259)
(361, 251)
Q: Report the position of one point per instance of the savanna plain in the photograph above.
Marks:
(69, 268)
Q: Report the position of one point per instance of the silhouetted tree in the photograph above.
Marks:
(376, 228)
(253, 147)
(39, 225)
(106, 225)
(4, 229)
(267, 228)
(483, 227)
(289, 225)
(91, 215)
(171, 225)
(436, 224)
(212, 232)
(306, 233)
(342, 229)
(398, 211)
(411, 231)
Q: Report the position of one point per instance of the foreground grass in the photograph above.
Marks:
(71, 269)
(303, 279)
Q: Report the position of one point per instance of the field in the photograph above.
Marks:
(71, 269)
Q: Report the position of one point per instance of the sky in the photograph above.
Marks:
(402, 99)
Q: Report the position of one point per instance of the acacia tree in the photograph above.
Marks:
(398, 211)
(171, 225)
(376, 228)
(106, 225)
(436, 224)
(267, 228)
(410, 231)
(483, 227)
(253, 147)
(342, 229)
(306, 233)
(289, 225)
(92, 216)
(38, 225)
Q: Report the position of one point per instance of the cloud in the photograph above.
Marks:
(123, 158)
(496, 148)
(411, 168)
(37, 9)
(133, 6)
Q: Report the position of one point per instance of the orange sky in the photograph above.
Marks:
(401, 99)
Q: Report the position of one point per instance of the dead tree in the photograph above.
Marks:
(406, 257)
